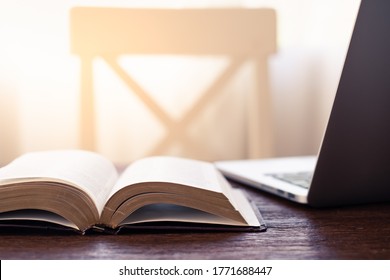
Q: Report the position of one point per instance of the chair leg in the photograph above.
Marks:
(87, 112)
(260, 132)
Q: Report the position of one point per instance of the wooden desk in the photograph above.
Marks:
(294, 232)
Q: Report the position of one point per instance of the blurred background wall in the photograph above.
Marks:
(39, 81)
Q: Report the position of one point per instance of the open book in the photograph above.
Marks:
(83, 190)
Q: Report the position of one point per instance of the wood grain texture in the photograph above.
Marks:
(294, 232)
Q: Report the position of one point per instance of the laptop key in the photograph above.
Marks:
(301, 179)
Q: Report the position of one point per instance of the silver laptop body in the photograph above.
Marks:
(353, 165)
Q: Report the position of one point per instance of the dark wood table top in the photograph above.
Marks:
(294, 232)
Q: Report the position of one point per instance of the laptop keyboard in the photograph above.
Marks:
(301, 179)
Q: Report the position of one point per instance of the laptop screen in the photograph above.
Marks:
(354, 161)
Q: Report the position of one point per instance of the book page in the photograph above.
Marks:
(36, 215)
(177, 213)
(87, 171)
(182, 171)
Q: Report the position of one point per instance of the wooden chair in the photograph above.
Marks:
(240, 34)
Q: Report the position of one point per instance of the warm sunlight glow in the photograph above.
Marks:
(40, 82)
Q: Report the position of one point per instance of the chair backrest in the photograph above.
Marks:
(240, 34)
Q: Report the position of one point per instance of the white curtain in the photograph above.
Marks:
(39, 78)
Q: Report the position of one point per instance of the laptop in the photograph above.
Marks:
(353, 164)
